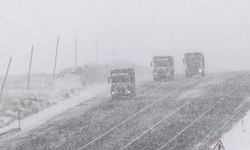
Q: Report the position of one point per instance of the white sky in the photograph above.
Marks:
(133, 30)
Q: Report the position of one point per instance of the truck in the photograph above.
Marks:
(122, 83)
(163, 68)
(194, 64)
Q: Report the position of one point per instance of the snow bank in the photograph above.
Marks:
(39, 118)
(17, 98)
(238, 138)
(46, 92)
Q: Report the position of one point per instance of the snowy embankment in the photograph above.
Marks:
(238, 138)
(46, 91)
(42, 116)
(49, 97)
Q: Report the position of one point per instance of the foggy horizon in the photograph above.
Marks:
(132, 31)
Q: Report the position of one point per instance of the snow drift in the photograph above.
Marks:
(46, 91)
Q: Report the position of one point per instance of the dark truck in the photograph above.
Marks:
(163, 68)
(122, 83)
(194, 64)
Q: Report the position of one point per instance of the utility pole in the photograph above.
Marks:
(19, 119)
(31, 58)
(5, 78)
(75, 53)
(96, 53)
(55, 63)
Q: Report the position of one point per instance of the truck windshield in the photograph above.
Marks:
(194, 60)
(161, 63)
(119, 78)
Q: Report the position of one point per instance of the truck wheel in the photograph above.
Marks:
(172, 78)
(134, 94)
(187, 75)
(113, 97)
(203, 74)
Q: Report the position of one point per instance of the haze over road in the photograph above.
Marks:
(183, 114)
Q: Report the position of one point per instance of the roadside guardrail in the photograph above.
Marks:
(9, 133)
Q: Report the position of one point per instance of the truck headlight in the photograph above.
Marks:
(112, 93)
(200, 70)
(129, 92)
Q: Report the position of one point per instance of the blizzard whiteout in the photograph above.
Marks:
(76, 75)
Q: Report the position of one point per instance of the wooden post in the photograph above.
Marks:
(19, 119)
(31, 58)
(5, 78)
(55, 63)
(75, 53)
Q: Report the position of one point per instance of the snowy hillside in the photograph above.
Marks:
(45, 91)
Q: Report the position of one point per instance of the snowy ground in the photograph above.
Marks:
(46, 92)
(201, 94)
(195, 110)
(39, 118)
(239, 136)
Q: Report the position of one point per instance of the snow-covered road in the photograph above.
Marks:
(181, 114)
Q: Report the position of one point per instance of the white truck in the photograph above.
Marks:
(122, 83)
(194, 64)
(163, 68)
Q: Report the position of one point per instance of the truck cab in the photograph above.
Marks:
(122, 83)
(194, 64)
(163, 68)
